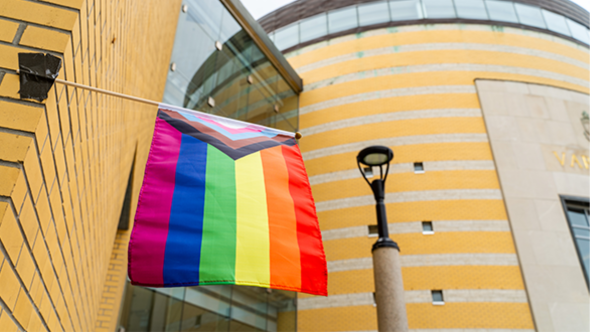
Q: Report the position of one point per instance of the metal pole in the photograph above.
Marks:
(389, 286)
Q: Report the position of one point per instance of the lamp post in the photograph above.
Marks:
(389, 287)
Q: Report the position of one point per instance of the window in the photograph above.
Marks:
(313, 27)
(368, 171)
(427, 228)
(577, 210)
(373, 230)
(530, 16)
(438, 8)
(405, 10)
(342, 19)
(556, 23)
(578, 31)
(473, 9)
(373, 13)
(418, 167)
(437, 297)
(501, 11)
(287, 36)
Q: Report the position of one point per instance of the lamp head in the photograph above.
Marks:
(376, 155)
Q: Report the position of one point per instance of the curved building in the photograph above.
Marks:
(485, 105)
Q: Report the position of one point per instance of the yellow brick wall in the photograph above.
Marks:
(414, 89)
(64, 163)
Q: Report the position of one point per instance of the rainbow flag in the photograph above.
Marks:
(225, 202)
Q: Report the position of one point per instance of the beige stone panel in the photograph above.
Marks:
(537, 107)
(557, 109)
(515, 87)
(492, 101)
(549, 284)
(553, 248)
(516, 104)
(527, 184)
(504, 155)
(524, 246)
(502, 128)
(523, 214)
(561, 133)
(572, 184)
(528, 156)
(561, 313)
(550, 216)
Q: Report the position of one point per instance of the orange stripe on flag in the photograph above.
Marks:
(285, 262)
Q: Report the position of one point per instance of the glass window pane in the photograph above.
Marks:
(529, 15)
(313, 27)
(584, 232)
(556, 22)
(578, 31)
(229, 27)
(373, 13)
(577, 217)
(501, 11)
(473, 9)
(405, 10)
(207, 13)
(287, 36)
(343, 19)
(438, 8)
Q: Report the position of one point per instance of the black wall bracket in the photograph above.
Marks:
(37, 73)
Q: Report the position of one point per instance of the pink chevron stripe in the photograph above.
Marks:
(247, 129)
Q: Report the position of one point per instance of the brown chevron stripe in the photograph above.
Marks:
(224, 139)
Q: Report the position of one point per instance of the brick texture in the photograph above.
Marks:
(64, 162)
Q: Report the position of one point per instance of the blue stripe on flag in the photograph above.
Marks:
(183, 246)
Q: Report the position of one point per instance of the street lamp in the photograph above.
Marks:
(389, 287)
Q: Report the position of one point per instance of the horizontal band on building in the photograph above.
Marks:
(440, 47)
(430, 166)
(393, 116)
(412, 196)
(428, 260)
(395, 141)
(416, 227)
(399, 92)
(470, 33)
(445, 67)
(416, 296)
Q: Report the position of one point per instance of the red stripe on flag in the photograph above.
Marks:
(314, 273)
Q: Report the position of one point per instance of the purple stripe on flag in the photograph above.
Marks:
(148, 239)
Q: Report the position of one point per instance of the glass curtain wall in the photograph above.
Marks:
(379, 12)
(217, 68)
(207, 308)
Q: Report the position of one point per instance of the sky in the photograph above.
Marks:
(259, 8)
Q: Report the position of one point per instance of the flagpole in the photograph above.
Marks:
(129, 97)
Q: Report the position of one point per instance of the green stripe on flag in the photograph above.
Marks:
(218, 250)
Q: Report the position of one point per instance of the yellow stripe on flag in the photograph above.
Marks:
(252, 240)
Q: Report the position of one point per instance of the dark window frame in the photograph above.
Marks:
(580, 201)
